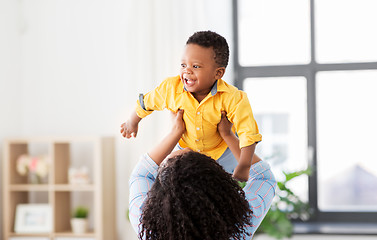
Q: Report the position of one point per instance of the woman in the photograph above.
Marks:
(187, 195)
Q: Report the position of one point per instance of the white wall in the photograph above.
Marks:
(76, 68)
(10, 81)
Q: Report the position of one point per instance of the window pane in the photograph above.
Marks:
(346, 140)
(280, 109)
(274, 32)
(346, 30)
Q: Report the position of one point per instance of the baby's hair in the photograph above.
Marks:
(209, 39)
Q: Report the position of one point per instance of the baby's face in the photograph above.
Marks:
(199, 70)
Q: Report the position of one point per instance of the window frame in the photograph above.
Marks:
(308, 71)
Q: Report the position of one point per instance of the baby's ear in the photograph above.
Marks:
(220, 72)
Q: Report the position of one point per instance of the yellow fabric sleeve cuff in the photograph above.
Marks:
(248, 140)
(140, 111)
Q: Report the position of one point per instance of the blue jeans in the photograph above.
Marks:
(228, 161)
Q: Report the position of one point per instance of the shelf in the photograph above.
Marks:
(46, 187)
(93, 153)
(71, 234)
(28, 187)
(13, 234)
(78, 188)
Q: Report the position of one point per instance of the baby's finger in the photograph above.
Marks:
(127, 135)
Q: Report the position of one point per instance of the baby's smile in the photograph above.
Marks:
(189, 82)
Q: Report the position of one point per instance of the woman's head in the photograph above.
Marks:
(194, 198)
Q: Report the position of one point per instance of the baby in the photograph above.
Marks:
(204, 96)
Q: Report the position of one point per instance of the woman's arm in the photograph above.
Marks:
(144, 174)
(259, 192)
(261, 185)
(166, 145)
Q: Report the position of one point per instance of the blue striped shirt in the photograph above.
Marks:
(259, 190)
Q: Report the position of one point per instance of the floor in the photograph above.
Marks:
(321, 237)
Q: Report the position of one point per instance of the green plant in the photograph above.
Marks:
(286, 207)
(242, 184)
(80, 212)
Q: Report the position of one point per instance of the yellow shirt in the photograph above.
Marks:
(201, 119)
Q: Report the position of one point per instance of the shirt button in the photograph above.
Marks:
(198, 128)
(196, 140)
(198, 113)
(198, 150)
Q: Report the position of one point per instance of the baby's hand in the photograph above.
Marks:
(128, 129)
(178, 125)
(224, 127)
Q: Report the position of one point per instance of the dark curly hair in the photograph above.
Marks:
(194, 198)
(209, 39)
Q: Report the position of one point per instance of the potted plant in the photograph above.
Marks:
(79, 220)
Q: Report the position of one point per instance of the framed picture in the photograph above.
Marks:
(33, 218)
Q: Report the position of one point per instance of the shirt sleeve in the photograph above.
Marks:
(142, 178)
(153, 100)
(259, 191)
(241, 115)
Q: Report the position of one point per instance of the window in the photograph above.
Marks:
(283, 41)
(346, 129)
(282, 123)
(309, 68)
(346, 31)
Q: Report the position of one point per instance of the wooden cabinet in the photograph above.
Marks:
(95, 153)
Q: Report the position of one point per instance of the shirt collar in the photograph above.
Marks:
(221, 86)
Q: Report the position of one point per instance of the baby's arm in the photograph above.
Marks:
(241, 172)
(130, 127)
(243, 156)
(154, 100)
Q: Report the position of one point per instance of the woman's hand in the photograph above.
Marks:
(178, 125)
(164, 148)
(224, 127)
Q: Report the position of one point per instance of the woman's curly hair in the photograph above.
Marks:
(209, 39)
(194, 198)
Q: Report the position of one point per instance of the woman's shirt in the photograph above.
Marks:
(259, 190)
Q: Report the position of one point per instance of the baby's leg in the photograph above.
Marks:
(228, 161)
